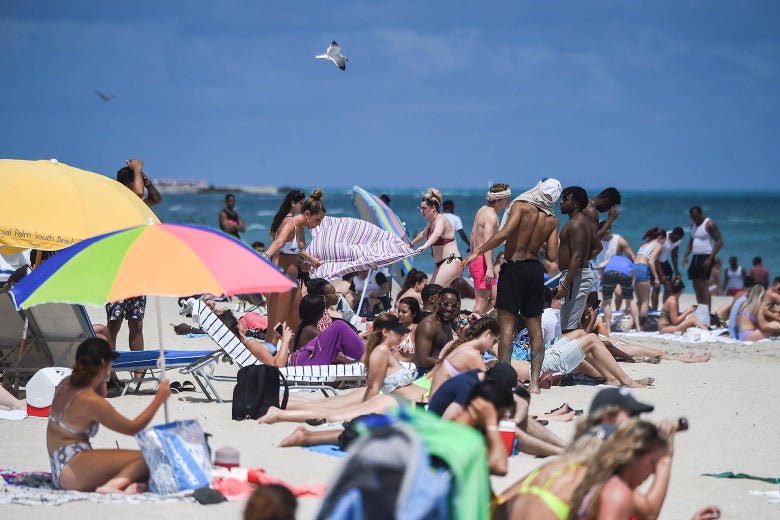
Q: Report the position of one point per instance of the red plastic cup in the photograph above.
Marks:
(507, 431)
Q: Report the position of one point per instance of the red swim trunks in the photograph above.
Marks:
(477, 270)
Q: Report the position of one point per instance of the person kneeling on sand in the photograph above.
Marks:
(79, 407)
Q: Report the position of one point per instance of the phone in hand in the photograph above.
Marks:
(596, 305)
(279, 329)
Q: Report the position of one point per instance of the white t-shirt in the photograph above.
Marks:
(667, 247)
(551, 323)
(454, 221)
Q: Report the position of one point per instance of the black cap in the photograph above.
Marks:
(392, 323)
(95, 351)
(621, 397)
(503, 373)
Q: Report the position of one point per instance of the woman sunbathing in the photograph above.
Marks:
(258, 348)
(337, 343)
(385, 374)
(752, 323)
(79, 407)
(671, 320)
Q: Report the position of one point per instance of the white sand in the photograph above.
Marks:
(730, 403)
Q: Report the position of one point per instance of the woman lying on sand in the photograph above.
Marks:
(631, 352)
(79, 407)
(385, 373)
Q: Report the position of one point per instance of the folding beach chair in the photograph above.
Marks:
(53, 332)
(319, 377)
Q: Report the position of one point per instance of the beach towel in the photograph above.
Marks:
(327, 449)
(729, 474)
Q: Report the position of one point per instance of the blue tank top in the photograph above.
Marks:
(621, 264)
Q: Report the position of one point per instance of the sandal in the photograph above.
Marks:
(188, 386)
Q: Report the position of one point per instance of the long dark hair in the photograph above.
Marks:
(412, 278)
(414, 307)
(292, 197)
(310, 310)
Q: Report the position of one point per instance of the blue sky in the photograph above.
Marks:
(636, 94)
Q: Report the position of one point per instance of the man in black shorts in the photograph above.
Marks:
(705, 242)
(530, 223)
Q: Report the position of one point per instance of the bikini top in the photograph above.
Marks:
(647, 248)
(454, 371)
(441, 241)
(89, 432)
(558, 506)
(291, 247)
(398, 379)
(406, 346)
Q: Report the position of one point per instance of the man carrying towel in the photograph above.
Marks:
(529, 223)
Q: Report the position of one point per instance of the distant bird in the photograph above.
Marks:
(334, 54)
(104, 97)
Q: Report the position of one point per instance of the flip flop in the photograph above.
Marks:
(315, 422)
(559, 408)
(176, 387)
(188, 386)
(543, 422)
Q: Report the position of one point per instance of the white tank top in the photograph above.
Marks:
(702, 241)
(736, 278)
(609, 247)
(666, 248)
(373, 287)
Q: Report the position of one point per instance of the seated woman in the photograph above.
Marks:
(752, 323)
(671, 320)
(409, 312)
(385, 374)
(466, 353)
(633, 452)
(79, 407)
(413, 285)
(337, 343)
(323, 288)
(260, 349)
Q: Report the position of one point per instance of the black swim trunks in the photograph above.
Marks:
(521, 288)
(696, 270)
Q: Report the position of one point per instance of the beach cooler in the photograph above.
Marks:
(40, 389)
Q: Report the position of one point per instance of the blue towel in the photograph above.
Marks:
(327, 449)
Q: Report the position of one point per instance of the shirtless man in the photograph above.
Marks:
(485, 226)
(529, 224)
(577, 278)
(435, 331)
(604, 202)
(705, 242)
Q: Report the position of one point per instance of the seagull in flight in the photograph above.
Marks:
(334, 54)
(104, 97)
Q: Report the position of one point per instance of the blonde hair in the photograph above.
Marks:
(314, 204)
(631, 440)
(754, 298)
(376, 336)
(433, 197)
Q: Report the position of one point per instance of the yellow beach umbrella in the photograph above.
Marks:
(49, 205)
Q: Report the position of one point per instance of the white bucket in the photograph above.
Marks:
(40, 389)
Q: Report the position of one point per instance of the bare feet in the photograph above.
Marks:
(120, 486)
(296, 438)
(533, 388)
(271, 416)
(690, 358)
(645, 382)
(564, 417)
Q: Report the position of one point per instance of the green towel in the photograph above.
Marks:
(729, 474)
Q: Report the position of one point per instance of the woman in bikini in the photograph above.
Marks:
(287, 250)
(385, 374)
(439, 235)
(633, 452)
(413, 285)
(752, 324)
(409, 314)
(466, 353)
(78, 408)
(671, 320)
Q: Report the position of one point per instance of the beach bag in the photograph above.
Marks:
(177, 455)
(257, 389)
(388, 475)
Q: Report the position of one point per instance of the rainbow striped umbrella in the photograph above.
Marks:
(373, 209)
(158, 259)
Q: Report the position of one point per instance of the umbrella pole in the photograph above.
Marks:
(363, 294)
(161, 361)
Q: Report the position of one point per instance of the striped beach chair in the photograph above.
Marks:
(320, 377)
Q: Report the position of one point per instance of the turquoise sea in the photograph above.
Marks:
(748, 221)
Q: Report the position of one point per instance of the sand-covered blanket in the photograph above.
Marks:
(690, 336)
(35, 489)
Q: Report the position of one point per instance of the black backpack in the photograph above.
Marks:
(257, 389)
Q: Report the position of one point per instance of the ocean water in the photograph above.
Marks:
(748, 221)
